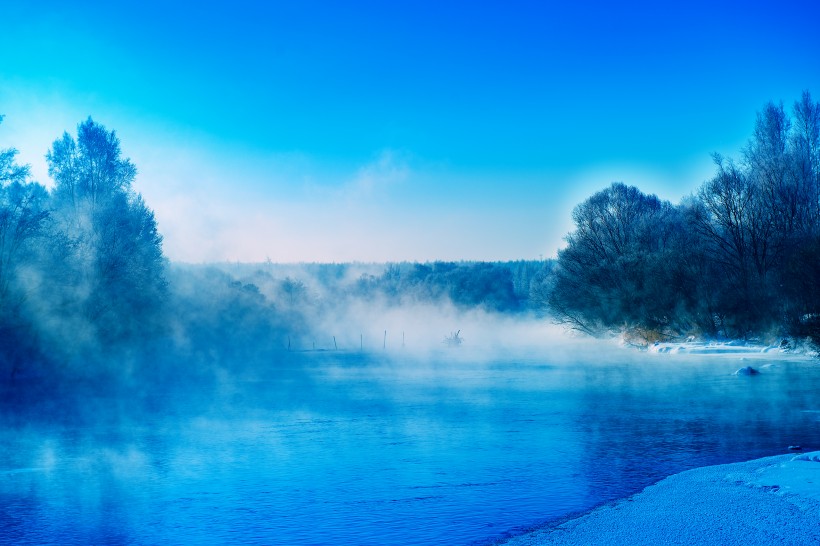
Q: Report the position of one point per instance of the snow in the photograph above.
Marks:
(775, 500)
(716, 348)
(799, 476)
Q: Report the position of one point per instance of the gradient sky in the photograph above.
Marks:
(374, 131)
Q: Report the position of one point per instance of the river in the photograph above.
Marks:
(390, 448)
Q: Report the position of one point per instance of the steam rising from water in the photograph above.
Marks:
(419, 329)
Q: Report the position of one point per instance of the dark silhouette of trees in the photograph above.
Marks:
(481, 284)
(801, 270)
(619, 266)
(738, 259)
(761, 216)
(733, 223)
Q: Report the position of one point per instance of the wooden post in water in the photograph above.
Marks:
(384, 345)
(335, 347)
(361, 343)
(288, 343)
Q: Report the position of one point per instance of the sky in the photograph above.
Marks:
(302, 131)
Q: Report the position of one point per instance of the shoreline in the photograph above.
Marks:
(787, 349)
(762, 501)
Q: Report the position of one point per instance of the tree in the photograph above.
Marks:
(89, 171)
(22, 218)
(116, 250)
(805, 145)
(22, 215)
(10, 171)
(615, 271)
(761, 215)
(800, 273)
(294, 292)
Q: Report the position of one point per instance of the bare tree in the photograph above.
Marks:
(805, 156)
(615, 272)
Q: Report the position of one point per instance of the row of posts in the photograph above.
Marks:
(361, 342)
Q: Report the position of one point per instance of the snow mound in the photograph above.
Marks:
(813, 456)
(734, 348)
(765, 501)
(798, 476)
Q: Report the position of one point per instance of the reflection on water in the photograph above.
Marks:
(366, 450)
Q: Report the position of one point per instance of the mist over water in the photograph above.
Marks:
(421, 444)
(145, 401)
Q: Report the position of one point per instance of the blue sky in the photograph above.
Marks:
(330, 131)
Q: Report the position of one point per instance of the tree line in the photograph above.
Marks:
(739, 258)
(503, 287)
(493, 286)
(85, 287)
(81, 265)
(84, 283)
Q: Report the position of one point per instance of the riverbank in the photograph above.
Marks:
(785, 349)
(782, 348)
(774, 500)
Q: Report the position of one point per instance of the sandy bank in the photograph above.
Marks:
(775, 500)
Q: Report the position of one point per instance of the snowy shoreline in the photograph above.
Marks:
(763, 501)
(787, 349)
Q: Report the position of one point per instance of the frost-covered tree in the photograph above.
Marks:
(22, 214)
(737, 233)
(620, 266)
(22, 220)
(760, 217)
(740, 258)
(805, 145)
(115, 261)
(802, 266)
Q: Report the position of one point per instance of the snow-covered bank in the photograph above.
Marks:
(775, 500)
(785, 349)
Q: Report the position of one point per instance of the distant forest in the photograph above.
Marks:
(85, 288)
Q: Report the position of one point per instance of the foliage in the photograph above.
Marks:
(497, 286)
(84, 285)
(114, 248)
(737, 259)
(81, 267)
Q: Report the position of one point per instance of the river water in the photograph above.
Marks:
(349, 448)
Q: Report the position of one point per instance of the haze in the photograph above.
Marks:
(417, 131)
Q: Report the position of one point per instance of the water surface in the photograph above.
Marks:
(346, 448)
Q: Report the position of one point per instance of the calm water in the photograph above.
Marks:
(351, 449)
